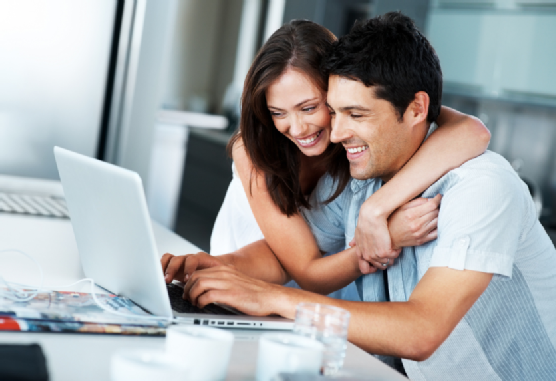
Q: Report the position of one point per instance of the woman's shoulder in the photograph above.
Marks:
(240, 157)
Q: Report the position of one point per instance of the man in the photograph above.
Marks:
(477, 302)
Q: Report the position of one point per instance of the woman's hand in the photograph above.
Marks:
(415, 223)
(379, 239)
(181, 267)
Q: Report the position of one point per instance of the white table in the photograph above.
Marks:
(87, 357)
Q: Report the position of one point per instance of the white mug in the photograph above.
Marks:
(146, 365)
(205, 351)
(288, 353)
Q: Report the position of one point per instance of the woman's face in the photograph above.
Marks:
(299, 111)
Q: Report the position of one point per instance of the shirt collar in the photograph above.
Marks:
(358, 185)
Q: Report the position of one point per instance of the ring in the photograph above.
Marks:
(387, 262)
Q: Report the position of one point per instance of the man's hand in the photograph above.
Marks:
(379, 239)
(181, 267)
(226, 285)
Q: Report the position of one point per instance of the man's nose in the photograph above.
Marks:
(339, 132)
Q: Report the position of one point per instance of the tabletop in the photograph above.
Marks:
(87, 357)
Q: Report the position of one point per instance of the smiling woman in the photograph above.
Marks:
(298, 109)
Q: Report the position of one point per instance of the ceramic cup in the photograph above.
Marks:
(146, 365)
(205, 351)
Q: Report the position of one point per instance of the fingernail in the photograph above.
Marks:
(167, 277)
(186, 277)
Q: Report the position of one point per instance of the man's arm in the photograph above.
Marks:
(416, 328)
(412, 329)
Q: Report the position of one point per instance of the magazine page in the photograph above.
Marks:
(67, 311)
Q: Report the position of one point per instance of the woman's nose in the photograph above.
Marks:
(297, 126)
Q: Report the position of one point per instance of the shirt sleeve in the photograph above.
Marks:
(480, 222)
(326, 220)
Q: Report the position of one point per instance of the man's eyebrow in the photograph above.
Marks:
(356, 108)
(297, 105)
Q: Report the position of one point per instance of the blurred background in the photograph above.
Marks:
(154, 85)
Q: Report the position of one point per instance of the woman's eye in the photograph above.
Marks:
(307, 109)
(275, 114)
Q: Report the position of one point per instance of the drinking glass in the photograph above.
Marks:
(329, 325)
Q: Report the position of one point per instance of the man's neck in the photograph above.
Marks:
(422, 134)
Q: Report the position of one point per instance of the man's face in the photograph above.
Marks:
(376, 142)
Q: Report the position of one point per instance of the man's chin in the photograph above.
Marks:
(359, 173)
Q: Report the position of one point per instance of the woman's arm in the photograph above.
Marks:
(458, 138)
(289, 238)
(293, 244)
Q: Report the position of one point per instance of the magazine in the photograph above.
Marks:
(68, 311)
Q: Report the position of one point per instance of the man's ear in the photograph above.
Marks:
(418, 109)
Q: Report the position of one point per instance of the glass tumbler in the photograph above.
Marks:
(328, 325)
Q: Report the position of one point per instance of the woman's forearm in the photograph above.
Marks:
(328, 274)
(290, 240)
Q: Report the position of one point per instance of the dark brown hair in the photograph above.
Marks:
(300, 44)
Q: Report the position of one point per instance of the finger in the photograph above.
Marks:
(432, 225)
(364, 266)
(214, 272)
(413, 203)
(428, 217)
(378, 264)
(436, 199)
(204, 284)
(164, 261)
(427, 223)
(432, 235)
(394, 253)
(190, 266)
(215, 296)
(373, 270)
(425, 208)
(352, 243)
(173, 268)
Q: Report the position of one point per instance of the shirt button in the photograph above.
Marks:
(463, 243)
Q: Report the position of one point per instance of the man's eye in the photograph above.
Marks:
(331, 113)
(355, 116)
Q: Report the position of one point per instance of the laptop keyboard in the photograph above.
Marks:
(178, 304)
(33, 204)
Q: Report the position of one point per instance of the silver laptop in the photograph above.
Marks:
(112, 227)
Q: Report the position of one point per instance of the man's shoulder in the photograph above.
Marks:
(490, 169)
(488, 161)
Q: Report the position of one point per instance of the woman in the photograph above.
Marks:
(281, 151)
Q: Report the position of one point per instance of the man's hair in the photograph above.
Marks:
(389, 53)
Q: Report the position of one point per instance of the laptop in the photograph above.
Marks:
(113, 231)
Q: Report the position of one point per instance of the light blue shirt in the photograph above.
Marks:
(487, 223)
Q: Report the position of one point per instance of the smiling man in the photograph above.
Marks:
(476, 303)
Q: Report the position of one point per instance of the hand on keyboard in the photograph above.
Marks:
(181, 267)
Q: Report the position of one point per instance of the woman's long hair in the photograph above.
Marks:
(302, 45)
